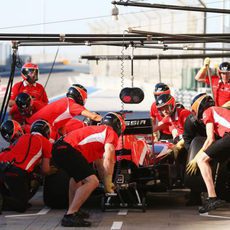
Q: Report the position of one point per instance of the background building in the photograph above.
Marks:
(178, 73)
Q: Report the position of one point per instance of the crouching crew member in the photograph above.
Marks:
(174, 117)
(194, 132)
(19, 162)
(75, 151)
(160, 88)
(194, 125)
(58, 113)
(217, 121)
(24, 108)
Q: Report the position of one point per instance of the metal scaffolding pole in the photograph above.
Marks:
(152, 57)
(171, 7)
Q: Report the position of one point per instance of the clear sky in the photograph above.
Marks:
(68, 16)
(15, 15)
(53, 16)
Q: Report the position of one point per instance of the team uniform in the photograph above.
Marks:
(177, 121)
(221, 90)
(36, 91)
(27, 151)
(58, 112)
(16, 115)
(220, 117)
(77, 149)
(72, 125)
(155, 115)
(24, 155)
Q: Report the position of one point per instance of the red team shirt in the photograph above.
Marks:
(15, 114)
(177, 121)
(220, 117)
(38, 148)
(221, 91)
(36, 91)
(58, 112)
(72, 125)
(154, 113)
(90, 140)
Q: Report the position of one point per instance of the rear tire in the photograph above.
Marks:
(103, 198)
(143, 204)
(56, 189)
(223, 182)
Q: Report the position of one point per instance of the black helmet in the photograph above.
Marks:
(224, 67)
(78, 93)
(115, 121)
(80, 86)
(161, 88)
(41, 126)
(23, 102)
(11, 130)
(200, 103)
(166, 99)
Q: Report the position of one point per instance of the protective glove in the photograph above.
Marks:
(156, 136)
(216, 66)
(109, 186)
(207, 62)
(192, 166)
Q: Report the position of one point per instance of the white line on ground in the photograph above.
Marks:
(122, 212)
(44, 211)
(41, 212)
(116, 225)
(215, 216)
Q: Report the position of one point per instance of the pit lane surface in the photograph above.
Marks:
(164, 211)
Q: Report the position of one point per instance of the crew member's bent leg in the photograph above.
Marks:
(206, 172)
(77, 167)
(82, 193)
(218, 151)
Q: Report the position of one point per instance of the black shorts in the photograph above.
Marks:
(71, 161)
(220, 149)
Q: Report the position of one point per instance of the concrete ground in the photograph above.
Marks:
(164, 211)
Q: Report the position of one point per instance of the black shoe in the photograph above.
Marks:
(211, 204)
(82, 214)
(74, 220)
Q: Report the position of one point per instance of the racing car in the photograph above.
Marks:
(142, 165)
